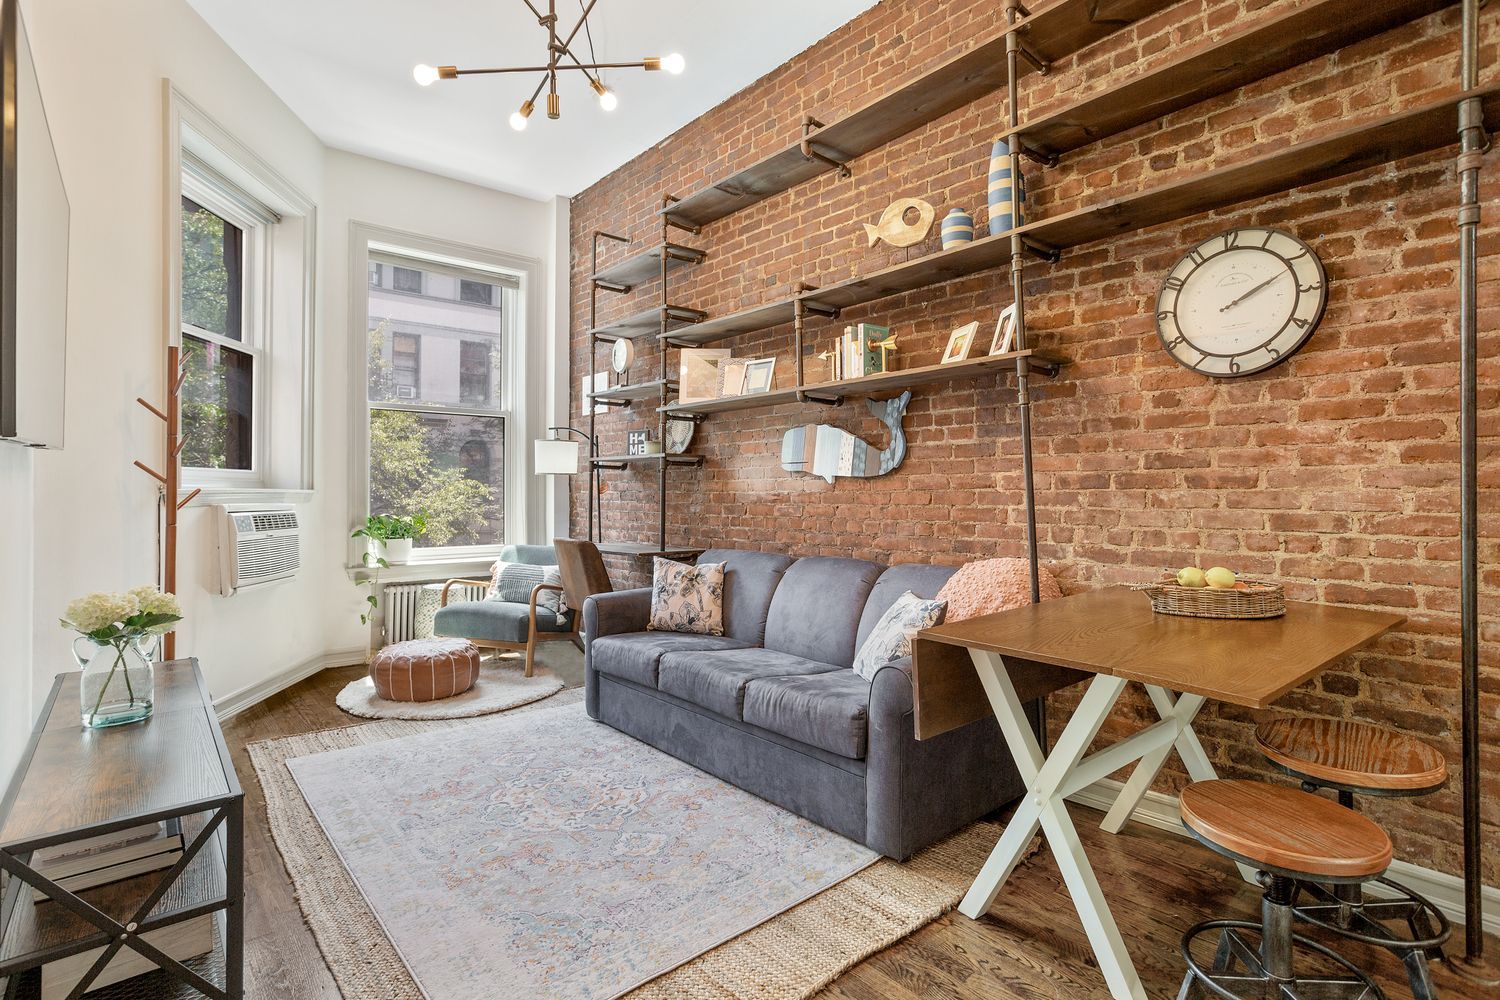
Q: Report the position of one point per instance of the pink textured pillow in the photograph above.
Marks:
(990, 585)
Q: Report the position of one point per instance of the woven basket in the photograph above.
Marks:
(1256, 599)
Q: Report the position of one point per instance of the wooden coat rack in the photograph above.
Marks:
(167, 481)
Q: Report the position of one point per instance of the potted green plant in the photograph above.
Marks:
(390, 536)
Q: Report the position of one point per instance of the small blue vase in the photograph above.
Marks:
(1007, 201)
(958, 228)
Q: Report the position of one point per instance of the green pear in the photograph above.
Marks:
(1190, 576)
(1219, 578)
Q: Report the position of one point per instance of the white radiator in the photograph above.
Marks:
(410, 607)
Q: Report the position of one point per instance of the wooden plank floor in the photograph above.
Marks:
(1030, 946)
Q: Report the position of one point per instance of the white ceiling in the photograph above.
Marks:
(344, 67)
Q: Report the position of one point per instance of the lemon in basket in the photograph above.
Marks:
(1191, 576)
(1219, 578)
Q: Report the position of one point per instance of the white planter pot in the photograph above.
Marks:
(395, 551)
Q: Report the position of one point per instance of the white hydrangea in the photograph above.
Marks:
(155, 602)
(98, 610)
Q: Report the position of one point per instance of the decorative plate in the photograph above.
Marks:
(679, 435)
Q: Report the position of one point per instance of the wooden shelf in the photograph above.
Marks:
(621, 461)
(646, 323)
(719, 328)
(625, 394)
(646, 265)
(871, 385)
(1427, 127)
(1266, 47)
(641, 550)
(1054, 31)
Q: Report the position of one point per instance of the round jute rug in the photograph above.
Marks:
(500, 686)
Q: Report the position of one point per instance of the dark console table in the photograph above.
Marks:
(73, 783)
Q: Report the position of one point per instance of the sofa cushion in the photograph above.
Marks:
(829, 710)
(495, 621)
(815, 611)
(750, 579)
(924, 581)
(634, 656)
(891, 637)
(687, 598)
(716, 679)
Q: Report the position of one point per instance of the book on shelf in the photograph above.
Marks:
(150, 848)
(859, 353)
(182, 941)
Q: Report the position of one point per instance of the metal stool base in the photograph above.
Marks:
(1345, 912)
(1255, 982)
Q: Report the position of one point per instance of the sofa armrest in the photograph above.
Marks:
(918, 790)
(617, 612)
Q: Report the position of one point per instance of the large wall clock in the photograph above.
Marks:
(1241, 302)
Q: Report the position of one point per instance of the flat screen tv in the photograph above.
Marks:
(33, 251)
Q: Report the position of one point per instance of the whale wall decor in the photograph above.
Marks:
(893, 227)
(832, 451)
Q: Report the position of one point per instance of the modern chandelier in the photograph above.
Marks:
(560, 58)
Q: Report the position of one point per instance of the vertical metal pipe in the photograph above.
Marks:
(1472, 143)
(1018, 294)
(661, 418)
(593, 348)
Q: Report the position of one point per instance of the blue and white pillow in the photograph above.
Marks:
(512, 583)
(891, 637)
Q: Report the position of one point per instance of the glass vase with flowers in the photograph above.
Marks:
(117, 637)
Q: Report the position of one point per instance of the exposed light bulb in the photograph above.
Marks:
(518, 121)
(607, 99)
(424, 74)
(674, 63)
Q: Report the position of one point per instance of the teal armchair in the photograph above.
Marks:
(505, 625)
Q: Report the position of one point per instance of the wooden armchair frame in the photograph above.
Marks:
(533, 636)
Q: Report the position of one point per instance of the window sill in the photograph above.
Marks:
(239, 495)
(443, 568)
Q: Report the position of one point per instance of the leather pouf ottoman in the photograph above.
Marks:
(425, 669)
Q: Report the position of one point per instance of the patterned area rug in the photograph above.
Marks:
(501, 685)
(790, 955)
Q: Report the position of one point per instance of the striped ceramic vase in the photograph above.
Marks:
(958, 228)
(1007, 201)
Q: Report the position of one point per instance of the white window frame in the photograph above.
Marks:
(232, 205)
(209, 165)
(523, 316)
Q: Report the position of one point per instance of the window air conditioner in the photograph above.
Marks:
(406, 392)
(257, 547)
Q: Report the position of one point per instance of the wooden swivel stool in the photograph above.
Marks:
(1353, 757)
(1288, 836)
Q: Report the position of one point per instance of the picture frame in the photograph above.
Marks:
(1005, 331)
(731, 377)
(699, 373)
(760, 374)
(960, 343)
(635, 442)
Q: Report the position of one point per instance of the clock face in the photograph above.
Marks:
(1241, 302)
(622, 356)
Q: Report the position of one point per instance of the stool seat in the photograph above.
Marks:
(1352, 754)
(1284, 830)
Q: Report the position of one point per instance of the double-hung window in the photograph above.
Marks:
(437, 395)
(223, 329)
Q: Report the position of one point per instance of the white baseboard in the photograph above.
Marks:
(237, 701)
(1445, 891)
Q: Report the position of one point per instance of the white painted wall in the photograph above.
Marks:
(362, 190)
(84, 518)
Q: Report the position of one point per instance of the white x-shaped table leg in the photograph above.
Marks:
(1048, 782)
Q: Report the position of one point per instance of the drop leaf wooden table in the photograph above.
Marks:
(1108, 639)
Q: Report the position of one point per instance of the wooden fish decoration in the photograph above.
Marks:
(893, 227)
(832, 451)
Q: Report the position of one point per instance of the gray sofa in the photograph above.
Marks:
(773, 707)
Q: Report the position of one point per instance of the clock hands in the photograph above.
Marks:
(1252, 291)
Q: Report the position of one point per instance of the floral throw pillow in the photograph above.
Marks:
(687, 598)
(891, 637)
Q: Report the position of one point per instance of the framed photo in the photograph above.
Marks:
(700, 373)
(1005, 331)
(759, 374)
(601, 383)
(960, 343)
(732, 377)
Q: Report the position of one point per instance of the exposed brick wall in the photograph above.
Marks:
(1334, 473)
